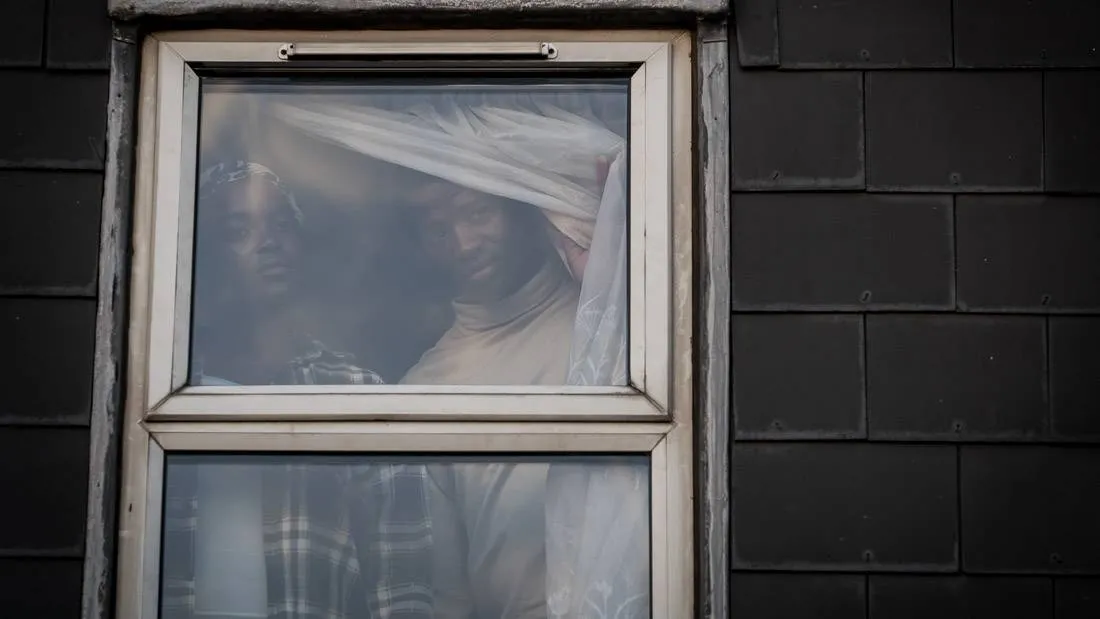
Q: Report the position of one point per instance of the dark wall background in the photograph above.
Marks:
(916, 288)
(916, 284)
(53, 107)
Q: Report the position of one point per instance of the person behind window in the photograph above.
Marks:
(563, 540)
(337, 542)
(254, 315)
(515, 303)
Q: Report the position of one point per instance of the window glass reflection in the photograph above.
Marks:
(418, 232)
(355, 536)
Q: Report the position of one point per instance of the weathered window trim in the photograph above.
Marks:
(133, 9)
(669, 439)
(110, 337)
(713, 311)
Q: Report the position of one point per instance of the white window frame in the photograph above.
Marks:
(651, 198)
(653, 415)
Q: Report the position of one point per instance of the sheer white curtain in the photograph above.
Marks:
(552, 151)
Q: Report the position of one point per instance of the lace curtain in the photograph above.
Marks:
(555, 151)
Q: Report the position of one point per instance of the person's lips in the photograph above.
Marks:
(482, 272)
(274, 269)
(478, 268)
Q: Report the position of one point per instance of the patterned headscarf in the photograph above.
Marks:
(219, 176)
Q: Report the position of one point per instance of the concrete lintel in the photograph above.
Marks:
(134, 9)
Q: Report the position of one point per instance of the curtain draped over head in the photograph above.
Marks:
(555, 151)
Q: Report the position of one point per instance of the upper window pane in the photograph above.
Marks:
(416, 230)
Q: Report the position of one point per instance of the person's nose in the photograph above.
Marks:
(267, 236)
(465, 240)
(267, 241)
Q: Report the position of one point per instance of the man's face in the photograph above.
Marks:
(262, 235)
(487, 244)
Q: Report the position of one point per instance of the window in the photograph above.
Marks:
(411, 318)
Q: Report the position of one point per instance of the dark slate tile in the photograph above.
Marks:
(53, 119)
(46, 368)
(842, 251)
(1076, 598)
(953, 377)
(1072, 135)
(44, 474)
(757, 27)
(1030, 509)
(21, 33)
(865, 33)
(79, 33)
(798, 376)
(41, 588)
(798, 596)
(1075, 377)
(954, 131)
(1028, 253)
(797, 130)
(845, 506)
(1027, 33)
(50, 237)
(960, 597)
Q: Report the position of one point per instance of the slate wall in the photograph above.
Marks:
(53, 82)
(915, 240)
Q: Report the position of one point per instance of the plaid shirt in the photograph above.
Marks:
(341, 541)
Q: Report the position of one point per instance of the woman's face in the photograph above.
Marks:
(262, 234)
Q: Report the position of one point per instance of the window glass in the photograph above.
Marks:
(381, 536)
(421, 231)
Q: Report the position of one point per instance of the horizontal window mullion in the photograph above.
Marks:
(409, 437)
(330, 406)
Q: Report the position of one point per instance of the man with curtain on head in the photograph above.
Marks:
(516, 309)
(514, 279)
(515, 304)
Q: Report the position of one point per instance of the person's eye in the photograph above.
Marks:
(435, 232)
(238, 234)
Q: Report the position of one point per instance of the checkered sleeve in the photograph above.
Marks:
(389, 506)
(341, 541)
(361, 530)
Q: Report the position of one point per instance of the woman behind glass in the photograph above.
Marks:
(244, 538)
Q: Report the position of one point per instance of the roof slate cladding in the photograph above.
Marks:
(968, 256)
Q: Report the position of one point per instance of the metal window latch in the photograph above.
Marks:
(545, 51)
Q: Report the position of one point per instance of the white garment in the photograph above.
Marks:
(488, 519)
(521, 340)
(488, 540)
(230, 573)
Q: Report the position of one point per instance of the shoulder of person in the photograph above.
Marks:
(323, 366)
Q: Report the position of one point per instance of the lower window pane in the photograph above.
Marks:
(383, 536)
